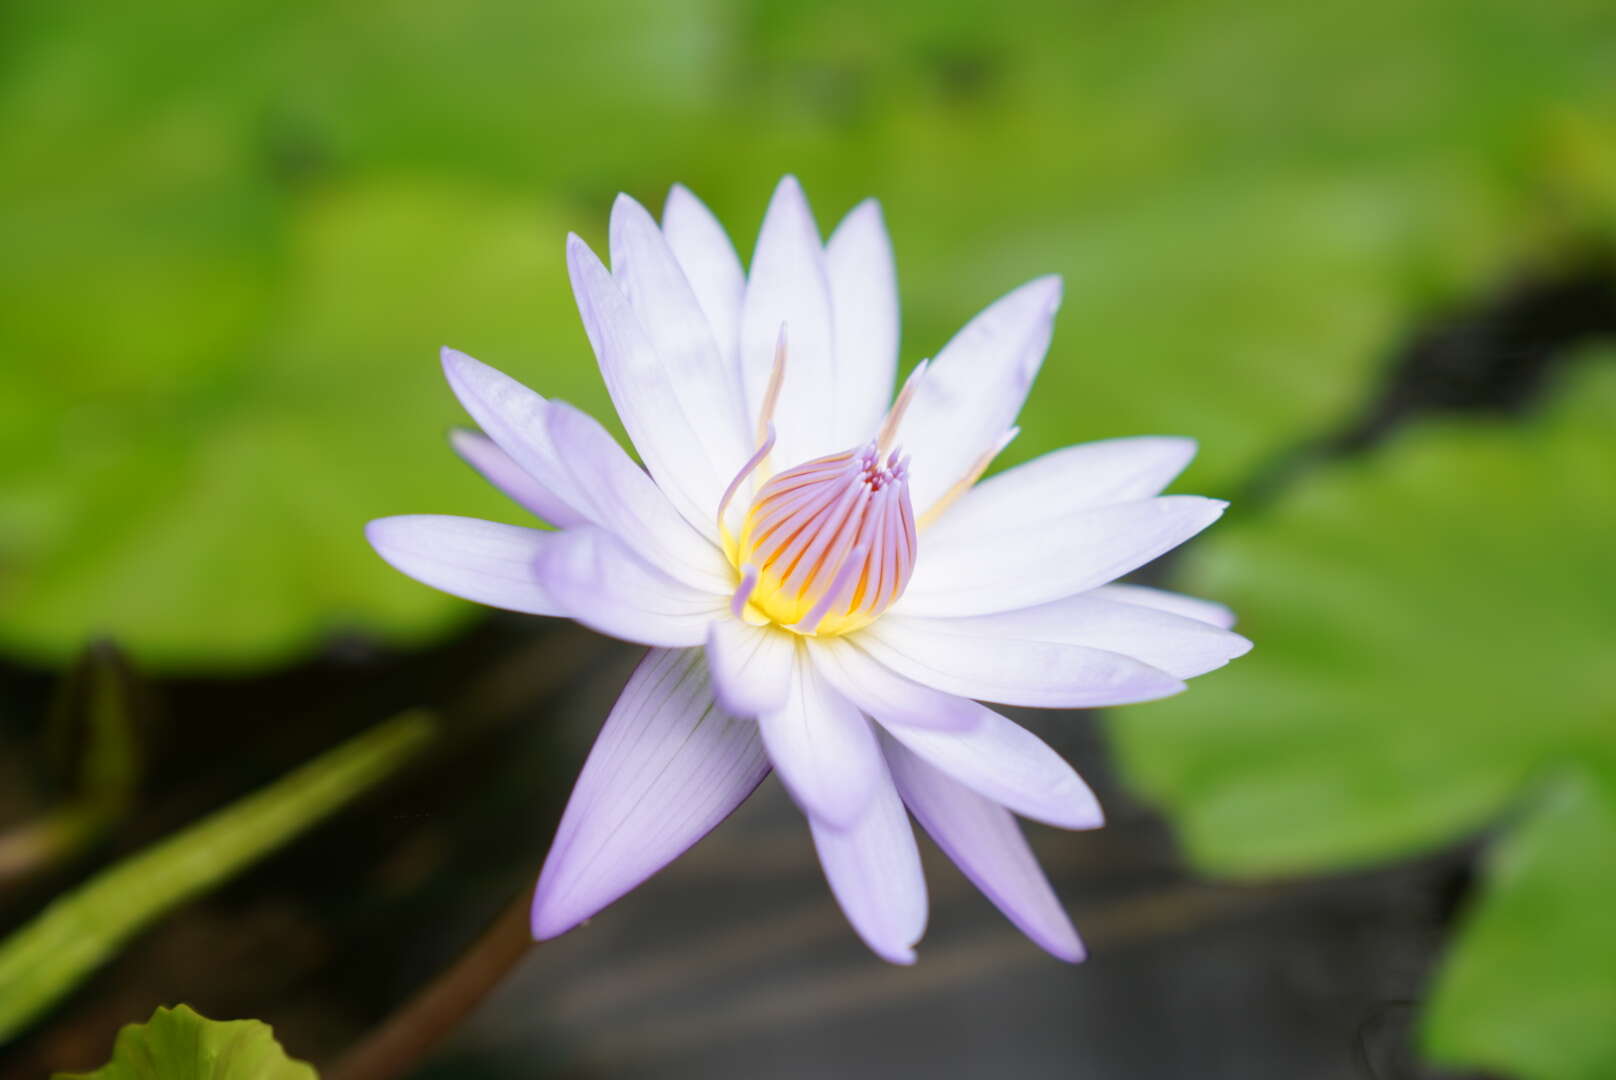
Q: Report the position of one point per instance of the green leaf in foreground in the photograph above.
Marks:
(1434, 638)
(180, 1044)
(84, 928)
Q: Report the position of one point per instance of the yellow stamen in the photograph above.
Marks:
(966, 482)
(889, 427)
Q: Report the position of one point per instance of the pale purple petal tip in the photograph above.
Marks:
(1190, 607)
(1004, 762)
(482, 561)
(520, 486)
(667, 767)
(985, 842)
(972, 661)
(873, 867)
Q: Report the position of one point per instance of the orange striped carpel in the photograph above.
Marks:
(830, 544)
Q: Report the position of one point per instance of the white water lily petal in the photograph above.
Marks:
(787, 284)
(1180, 646)
(1005, 762)
(1190, 607)
(620, 498)
(1018, 568)
(706, 383)
(984, 841)
(873, 867)
(598, 581)
(501, 470)
(475, 560)
(884, 694)
(711, 266)
(864, 305)
(644, 394)
(975, 387)
(1007, 669)
(1059, 484)
(515, 417)
(751, 665)
(822, 747)
(668, 765)
(578, 462)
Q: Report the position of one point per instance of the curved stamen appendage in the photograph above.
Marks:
(777, 378)
(743, 591)
(832, 541)
(966, 482)
(765, 440)
(889, 427)
(746, 470)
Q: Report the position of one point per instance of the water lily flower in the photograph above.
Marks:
(826, 589)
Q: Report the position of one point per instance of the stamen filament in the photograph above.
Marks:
(767, 439)
(889, 426)
(777, 378)
(743, 591)
(966, 482)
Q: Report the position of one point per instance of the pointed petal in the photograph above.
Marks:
(984, 841)
(1173, 603)
(1061, 483)
(710, 265)
(623, 500)
(1005, 762)
(501, 470)
(515, 417)
(708, 386)
(1018, 568)
(476, 560)
(946, 656)
(883, 693)
(751, 665)
(645, 396)
(864, 303)
(1180, 646)
(788, 284)
(822, 747)
(667, 767)
(873, 867)
(598, 581)
(974, 389)
(570, 455)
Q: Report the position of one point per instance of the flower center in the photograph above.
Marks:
(830, 544)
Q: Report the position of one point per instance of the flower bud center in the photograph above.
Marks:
(831, 542)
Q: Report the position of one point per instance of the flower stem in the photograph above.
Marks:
(406, 1037)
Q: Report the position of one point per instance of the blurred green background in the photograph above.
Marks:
(1362, 252)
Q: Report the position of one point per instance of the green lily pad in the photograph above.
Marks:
(214, 516)
(181, 1044)
(1529, 990)
(1434, 641)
